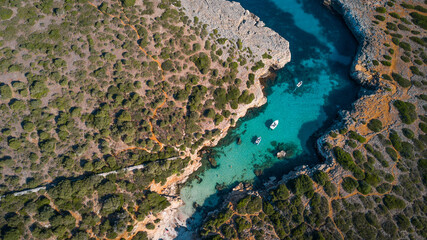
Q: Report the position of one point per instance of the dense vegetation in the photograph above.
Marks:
(89, 87)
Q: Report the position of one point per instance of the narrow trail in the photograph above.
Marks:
(153, 136)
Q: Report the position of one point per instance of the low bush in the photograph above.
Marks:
(408, 133)
(393, 202)
(379, 17)
(5, 13)
(349, 184)
(343, 158)
(356, 136)
(405, 46)
(381, 9)
(403, 82)
(407, 111)
(258, 65)
(419, 19)
(375, 125)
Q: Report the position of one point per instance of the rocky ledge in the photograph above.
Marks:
(233, 22)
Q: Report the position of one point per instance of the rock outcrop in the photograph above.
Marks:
(233, 22)
(369, 38)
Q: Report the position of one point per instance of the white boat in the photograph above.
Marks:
(258, 140)
(299, 84)
(274, 124)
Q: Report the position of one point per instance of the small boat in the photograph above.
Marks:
(299, 84)
(274, 124)
(258, 140)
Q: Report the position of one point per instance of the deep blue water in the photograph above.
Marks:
(322, 49)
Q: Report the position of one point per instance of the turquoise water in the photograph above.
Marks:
(322, 49)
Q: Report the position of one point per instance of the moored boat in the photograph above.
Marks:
(299, 84)
(258, 140)
(274, 124)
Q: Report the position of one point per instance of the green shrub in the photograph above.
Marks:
(372, 179)
(403, 82)
(387, 57)
(28, 126)
(386, 77)
(395, 140)
(407, 111)
(349, 184)
(419, 20)
(38, 90)
(17, 105)
(386, 63)
(392, 153)
(301, 184)
(407, 6)
(320, 177)
(150, 226)
(351, 143)
(381, 9)
(375, 62)
(408, 133)
(379, 17)
(343, 158)
(395, 15)
(421, 8)
(167, 65)
(5, 91)
(202, 62)
(423, 127)
(258, 65)
(128, 3)
(407, 150)
(358, 156)
(391, 26)
(403, 27)
(375, 125)
(396, 41)
(364, 187)
(405, 58)
(420, 41)
(356, 136)
(14, 143)
(280, 193)
(393, 202)
(5, 13)
(416, 71)
(405, 46)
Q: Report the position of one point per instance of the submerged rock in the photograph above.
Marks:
(281, 154)
(213, 162)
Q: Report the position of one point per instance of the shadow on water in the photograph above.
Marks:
(304, 47)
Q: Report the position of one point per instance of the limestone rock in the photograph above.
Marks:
(233, 22)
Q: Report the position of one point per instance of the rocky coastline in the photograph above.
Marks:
(231, 21)
(368, 41)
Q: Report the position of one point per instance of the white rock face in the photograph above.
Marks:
(234, 22)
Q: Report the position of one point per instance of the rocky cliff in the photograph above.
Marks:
(233, 22)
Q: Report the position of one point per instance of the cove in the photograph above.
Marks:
(322, 49)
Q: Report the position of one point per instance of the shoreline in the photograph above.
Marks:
(328, 162)
(253, 32)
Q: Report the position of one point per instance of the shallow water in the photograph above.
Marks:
(322, 48)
